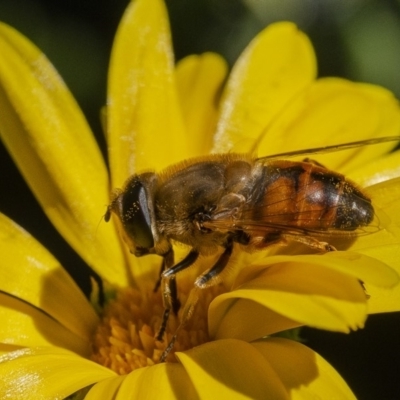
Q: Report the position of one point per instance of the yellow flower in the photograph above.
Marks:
(157, 115)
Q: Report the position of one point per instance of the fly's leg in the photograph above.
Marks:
(171, 302)
(167, 262)
(186, 315)
(209, 278)
(169, 291)
(311, 161)
(308, 241)
(316, 244)
(283, 239)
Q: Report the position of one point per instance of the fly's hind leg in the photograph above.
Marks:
(316, 244)
(308, 241)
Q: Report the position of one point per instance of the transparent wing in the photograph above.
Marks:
(331, 148)
(262, 227)
(280, 211)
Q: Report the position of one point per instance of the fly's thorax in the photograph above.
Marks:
(190, 193)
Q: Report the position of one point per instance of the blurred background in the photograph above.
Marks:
(355, 39)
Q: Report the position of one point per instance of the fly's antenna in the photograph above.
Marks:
(105, 217)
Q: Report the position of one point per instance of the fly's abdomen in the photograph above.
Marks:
(343, 206)
(305, 195)
(354, 208)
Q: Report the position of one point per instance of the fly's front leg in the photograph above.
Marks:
(169, 290)
(167, 262)
(186, 315)
(209, 278)
(170, 301)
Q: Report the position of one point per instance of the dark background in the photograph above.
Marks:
(357, 39)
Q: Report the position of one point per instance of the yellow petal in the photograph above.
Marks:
(277, 65)
(385, 198)
(199, 82)
(256, 320)
(27, 326)
(334, 111)
(51, 143)
(106, 389)
(305, 374)
(145, 126)
(302, 292)
(364, 268)
(231, 369)
(7, 348)
(382, 299)
(384, 245)
(29, 272)
(46, 373)
(161, 381)
(378, 170)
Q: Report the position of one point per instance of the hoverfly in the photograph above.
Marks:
(216, 201)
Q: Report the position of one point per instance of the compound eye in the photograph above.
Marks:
(136, 217)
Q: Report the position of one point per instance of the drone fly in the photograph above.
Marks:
(211, 203)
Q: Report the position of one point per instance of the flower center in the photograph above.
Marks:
(125, 337)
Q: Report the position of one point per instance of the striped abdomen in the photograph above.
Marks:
(305, 195)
